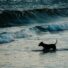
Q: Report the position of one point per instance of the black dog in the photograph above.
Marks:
(48, 47)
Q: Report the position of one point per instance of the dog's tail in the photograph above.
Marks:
(56, 42)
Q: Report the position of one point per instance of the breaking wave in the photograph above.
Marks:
(32, 32)
(51, 27)
(6, 37)
(37, 21)
(20, 18)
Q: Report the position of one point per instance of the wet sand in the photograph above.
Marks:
(20, 54)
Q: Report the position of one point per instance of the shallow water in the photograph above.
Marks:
(25, 53)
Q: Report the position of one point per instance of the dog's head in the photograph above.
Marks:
(40, 44)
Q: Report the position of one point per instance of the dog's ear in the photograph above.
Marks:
(40, 43)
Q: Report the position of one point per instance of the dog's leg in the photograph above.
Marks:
(45, 50)
(54, 48)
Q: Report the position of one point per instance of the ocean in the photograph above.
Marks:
(22, 31)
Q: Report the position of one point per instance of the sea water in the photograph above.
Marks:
(19, 43)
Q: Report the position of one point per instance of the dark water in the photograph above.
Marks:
(32, 23)
(36, 16)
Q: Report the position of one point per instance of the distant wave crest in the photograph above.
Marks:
(51, 27)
